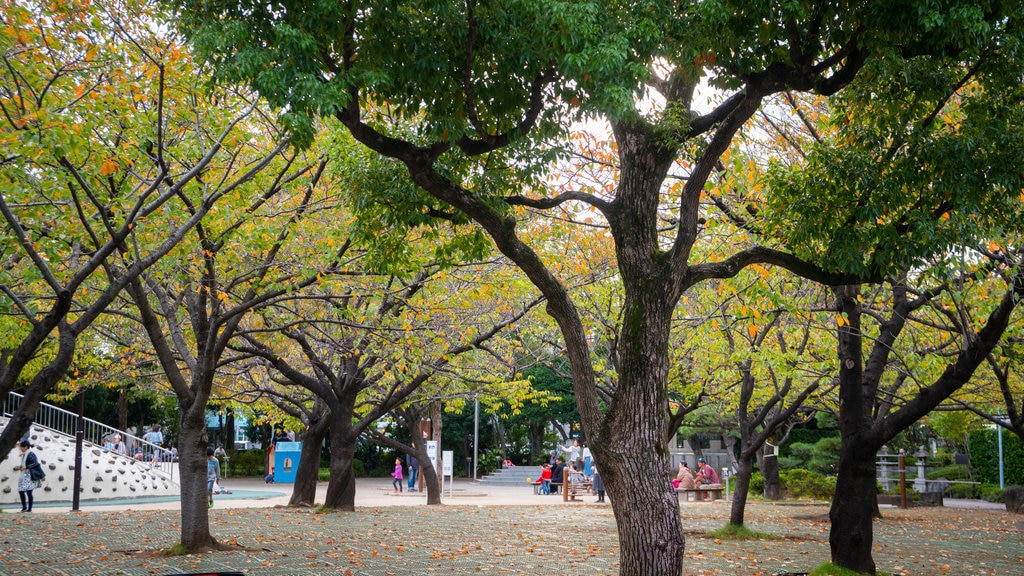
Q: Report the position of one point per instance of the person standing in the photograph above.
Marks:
(221, 454)
(397, 475)
(573, 451)
(154, 436)
(31, 475)
(413, 464)
(545, 480)
(598, 485)
(212, 472)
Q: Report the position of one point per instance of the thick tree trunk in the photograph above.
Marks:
(852, 512)
(770, 471)
(308, 471)
(192, 443)
(646, 508)
(341, 488)
(851, 537)
(634, 456)
(744, 468)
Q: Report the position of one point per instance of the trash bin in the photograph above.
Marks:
(286, 461)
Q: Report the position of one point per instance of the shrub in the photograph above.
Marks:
(992, 493)
(247, 463)
(949, 472)
(756, 483)
(799, 483)
(982, 445)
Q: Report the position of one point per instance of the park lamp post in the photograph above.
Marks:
(1002, 420)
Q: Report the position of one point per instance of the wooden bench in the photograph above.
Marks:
(701, 493)
(537, 484)
(580, 489)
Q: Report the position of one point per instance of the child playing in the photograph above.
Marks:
(397, 475)
(212, 472)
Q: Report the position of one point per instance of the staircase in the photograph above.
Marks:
(514, 476)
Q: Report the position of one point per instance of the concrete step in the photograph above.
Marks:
(514, 475)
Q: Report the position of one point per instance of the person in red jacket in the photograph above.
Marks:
(545, 479)
(706, 474)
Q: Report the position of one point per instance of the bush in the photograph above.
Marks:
(247, 463)
(799, 483)
(982, 446)
(992, 493)
(949, 472)
(756, 483)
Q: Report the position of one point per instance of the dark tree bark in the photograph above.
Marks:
(536, 433)
(769, 465)
(866, 423)
(341, 488)
(308, 472)
(229, 429)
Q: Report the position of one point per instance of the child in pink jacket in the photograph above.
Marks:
(397, 475)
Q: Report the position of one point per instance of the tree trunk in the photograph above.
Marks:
(744, 468)
(192, 443)
(229, 429)
(646, 509)
(770, 471)
(430, 479)
(698, 451)
(633, 455)
(537, 455)
(122, 408)
(852, 511)
(341, 488)
(851, 537)
(308, 471)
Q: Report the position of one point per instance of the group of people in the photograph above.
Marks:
(687, 479)
(580, 467)
(154, 437)
(413, 465)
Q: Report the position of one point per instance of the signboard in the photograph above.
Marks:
(446, 463)
(447, 458)
(432, 453)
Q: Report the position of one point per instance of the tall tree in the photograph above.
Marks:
(365, 347)
(480, 90)
(88, 204)
(191, 308)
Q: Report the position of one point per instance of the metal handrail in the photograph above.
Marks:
(97, 433)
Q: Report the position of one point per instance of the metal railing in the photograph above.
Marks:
(96, 433)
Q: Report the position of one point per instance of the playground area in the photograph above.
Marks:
(491, 530)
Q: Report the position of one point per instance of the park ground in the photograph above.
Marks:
(480, 530)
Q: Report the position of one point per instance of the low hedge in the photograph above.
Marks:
(798, 483)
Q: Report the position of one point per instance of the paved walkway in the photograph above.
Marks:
(506, 530)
